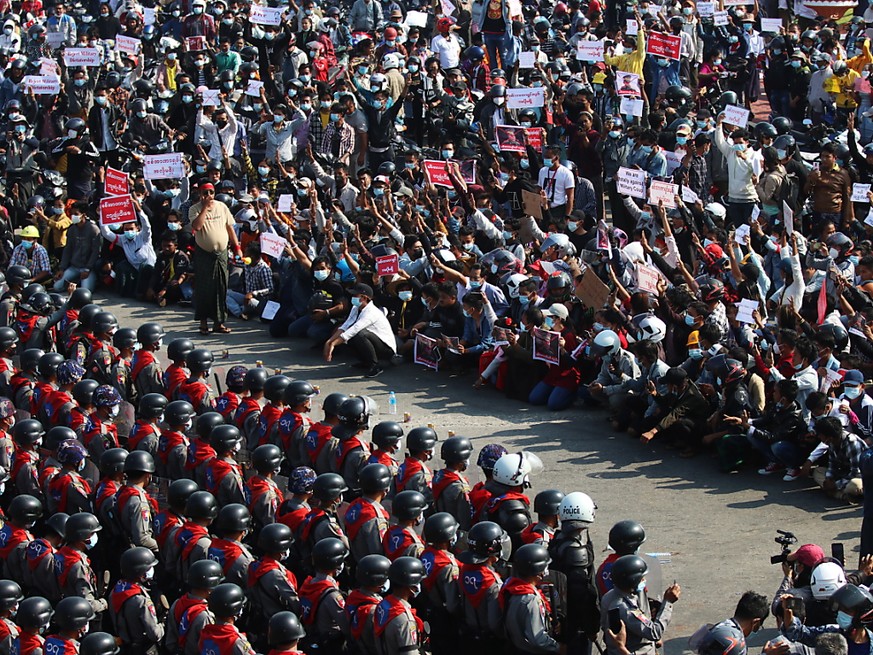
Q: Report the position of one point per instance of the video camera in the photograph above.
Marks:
(786, 540)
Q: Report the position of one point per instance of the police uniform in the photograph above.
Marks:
(172, 455)
(188, 544)
(144, 435)
(200, 453)
(479, 587)
(234, 558)
(174, 376)
(292, 513)
(224, 639)
(366, 523)
(187, 618)
(400, 541)
(350, 457)
(224, 480)
(119, 372)
(25, 474)
(29, 643)
(442, 597)
(290, 434)
(263, 498)
(643, 632)
(99, 362)
(414, 475)
(360, 608)
(272, 588)
(56, 408)
(227, 404)
(509, 509)
(396, 627)
(323, 612)
(267, 420)
(8, 635)
(13, 548)
(146, 374)
(99, 436)
(22, 385)
(40, 576)
(199, 393)
(320, 448)
(573, 555)
(526, 618)
(68, 492)
(451, 493)
(76, 577)
(135, 510)
(134, 618)
(385, 458)
(246, 419)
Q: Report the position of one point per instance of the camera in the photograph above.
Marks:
(786, 540)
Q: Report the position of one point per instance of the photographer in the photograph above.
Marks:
(797, 567)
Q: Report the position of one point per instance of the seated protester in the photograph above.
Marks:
(405, 309)
(842, 476)
(857, 405)
(558, 389)
(429, 325)
(258, 280)
(474, 282)
(327, 301)
(804, 373)
(170, 278)
(134, 272)
(618, 367)
(367, 330)
(31, 254)
(479, 321)
(682, 413)
(818, 406)
(640, 404)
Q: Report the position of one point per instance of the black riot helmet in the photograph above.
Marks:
(179, 492)
(455, 450)
(227, 600)
(232, 518)
(547, 502)
(136, 563)
(73, 613)
(372, 570)
(406, 572)
(205, 574)
(267, 458)
(421, 440)
(274, 387)
(284, 628)
(275, 539)
(329, 554)
(201, 505)
(374, 478)
(530, 560)
(34, 613)
(408, 505)
(625, 537)
(387, 434)
(152, 405)
(628, 571)
(440, 527)
(178, 350)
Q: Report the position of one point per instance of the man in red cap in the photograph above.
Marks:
(798, 572)
(212, 225)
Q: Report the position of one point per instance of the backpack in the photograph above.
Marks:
(789, 191)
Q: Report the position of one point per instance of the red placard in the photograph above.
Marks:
(117, 210)
(535, 137)
(437, 173)
(387, 265)
(663, 45)
(116, 183)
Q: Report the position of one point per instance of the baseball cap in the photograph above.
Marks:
(808, 555)
(361, 290)
(853, 377)
(381, 179)
(558, 310)
(693, 338)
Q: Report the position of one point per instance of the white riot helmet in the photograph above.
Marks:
(716, 209)
(390, 61)
(652, 328)
(514, 469)
(826, 578)
(605, 343)
(378, 82)
(514, 282)
(561, 242)
(577, 507)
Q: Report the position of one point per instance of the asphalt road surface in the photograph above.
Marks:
(717, 529)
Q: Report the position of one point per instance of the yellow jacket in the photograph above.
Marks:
(632, 62)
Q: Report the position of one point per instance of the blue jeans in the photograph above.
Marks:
(237, 304)
(780, 103)
(495, 44)
(73, 274)
(557, 398)
(306, 327)
(787, 454)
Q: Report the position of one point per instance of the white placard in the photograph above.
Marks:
(54, 39)
(43, 84)
(772, 25)
(416, 18)
(744, 310)
(756, 211)
(149, 15)
(830, 378)
(527, 59)
(273, 245)
(788, 217)
(869, 219)
(261, 15)
(689, 197)
(270, 310)
(859, 193)
(738, 116)
(631, 107)
(254, 88)
(81, 57)
(632, 28)
(647, 278)
(631, 182)
(742, 233)
(163, 167)
(663, 191)
(525, 98)
(591, 51)
(127, 44)
(720, 18)
(285, 201)
(706, 9)
(211, 97)
(674, 160)
(48, 67)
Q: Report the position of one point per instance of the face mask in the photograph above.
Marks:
(738, 147)
(79, 81)
(198, 10)
(263, 171)
(466, 314)
(378, 191)
(424, 302)
(76, 219)
(646, 150)
(257, 106)
(507, 236)
(362, 70)
(524, 300)
(641, 586)
(27, 244)
(321, 275)
(689, 320)
(72, 134)
(305, 78)
(695, 353)
(130, 235)
(413, 68)
(681, 140)
(572, 225)
(187, 99)
(141, 114)
(356, 301)
(278, 118)
(468, 246)
(499, 101)
(614, 134)
(306, 106)
(524, 163)
(448, 154)
(21, 129)
(150, 574)
(733, 39)
(795, 63)
(852, 392)
(405, 296)
(663, 63)
(334, 118)
(415, 590)
(92, 541)
(687, 11)
(834, 253)
(844, 620)
(199, 63)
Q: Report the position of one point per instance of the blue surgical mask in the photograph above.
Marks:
(263, 171)
(409, 166)
(334, 118)
(413, 68)
(278, 118)
(689, 320)
(681, 140)
(777, 51)
(795, 63)
(738, 147)
(27, 244)
(701, 124)
(405, 296)
(467, 314)
(852, 392)
(844, 620)
(597, 327)
(646, 150)
(447, 154)
(549, 322)
(187, 99)
(356, 301)
(695, 353)
(524, 163)
(475, 285)
(378, 191)
(321, 275)
(174, 227)
(130, 235)
(306, 106)
(663, 63)
(782, 154)
(733, 39)
(614, 134)
(507, 236)
(305, 78)
(524, 300)
(641, 586)
(572, 226)
(362, 70)
(79, 81)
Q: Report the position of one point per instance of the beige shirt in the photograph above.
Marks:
(212, 237)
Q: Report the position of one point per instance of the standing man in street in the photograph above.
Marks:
(212, 224)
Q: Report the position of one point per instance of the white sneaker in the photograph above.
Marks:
(772, 467)
(791, 475)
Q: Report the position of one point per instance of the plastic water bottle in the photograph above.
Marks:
(392, 403)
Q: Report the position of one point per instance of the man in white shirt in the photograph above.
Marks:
(367, 330)
(446, 45)
(558, 183)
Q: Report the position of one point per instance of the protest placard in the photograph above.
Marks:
(631, 182)
(510, 138)
(720, 18)
(527, 59)
(546, 346)
(426, 351)
(115, 182)
(660, 44)
(627, 84)
(736, 116)
(212, 98)
(771, 25)
(689, 197)
(54, 40)
(591, 290)
(48, 67)
(149, 15)
(742, 234)
(524, 98)
(869, 219)
(387, 265)
(163, 167)
(859, 193)
(270, 310)
(285, 201)
(631, 107)
(532, 203)
(589, 51)
(706, 9)
(665, 192)
(272, 244)
(536, 137)
(468, 171)
(261, 15)
(788, 217)
(116, 210)
(632, 27)
(674, 160)
(437, 173)
(254, 88)
(43, 84)
(127, 44)
(744, 310)
(195, 43)
(74, 57)
(416, 18)
(647, 278)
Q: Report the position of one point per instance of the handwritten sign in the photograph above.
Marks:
(527, 59)
(211, 97)
(437, 173)
(163, 167)
(82, 57)
(149, 15)
(632, 27)
(689, 197)
(285, 201)
(115, 182)
(43, 84)
(720, 18)
(128, 44)
(54, 39)
(631, 107)
(859, 192)
(590, 51)
(261, 15)
(254, 88)
(742, 233)
(674, 161)
(48, 67)
(525, 98)
(631, 182)
(272, 244)
(705, 9)
(591, 290)
(532, 203)
(117, 210)
(665, 192)
(387, 265)
(660, 44)
(738, 116)
(745, 308)
(647, 278)
(772, 25)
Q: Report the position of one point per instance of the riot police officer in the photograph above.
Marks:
(372, 575)
(190, 542)
(352, 450)
(366, 520)
(232, 524)
(226, 602)
(74, 573)
(413, 474)
(321, 521)
(146, 373)
(294, 510)
(625, 538)
(172, 445)
(508, 506)
(145, 433)
(98, 643)
(196, 389)
(135, 508)
(133, 613)
(33, 618)
(487, 544)
(451, 490)
(386, 437)
(294, 423)
(249, 411)
(442, 596)
(396, 627)
(10, 597)
(320, 442)
(72, 616)
(546, 505)
(401, 540)
(525, 611)
(272, 588)
(263, 494)
(284, 634)
(321, 601)
(23, 513)
(191, 612)
(224, 478)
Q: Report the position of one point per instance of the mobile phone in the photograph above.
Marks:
(794, 604)
(615, 620)
(838, 552)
